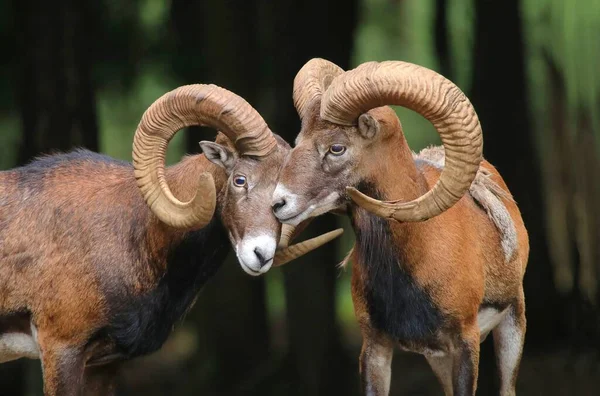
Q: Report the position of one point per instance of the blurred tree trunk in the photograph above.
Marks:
(56, 99)
(56, 96)
(585, 326)
(561, 187)
(499, 94)
(442, 38)
(216, 42)
(573, 193)
(297, 31)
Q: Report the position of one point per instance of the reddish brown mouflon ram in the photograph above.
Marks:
(440, 265)
(93, 272)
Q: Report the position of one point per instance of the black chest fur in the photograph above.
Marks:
(140, 324)
(396, 304)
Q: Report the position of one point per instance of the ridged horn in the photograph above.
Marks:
(311, 81)
(207, 105)
(286, 254)
(437, 99)
(287, 231)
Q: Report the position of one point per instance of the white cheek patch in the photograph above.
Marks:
(247, 249)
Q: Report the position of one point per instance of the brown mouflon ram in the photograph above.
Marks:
(440, 265)
(93, 272)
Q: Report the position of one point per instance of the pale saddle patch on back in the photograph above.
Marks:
(486, 193)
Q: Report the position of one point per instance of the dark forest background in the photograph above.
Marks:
(80, 73)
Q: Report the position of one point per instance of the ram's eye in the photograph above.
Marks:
(337, 149)
(239, 181)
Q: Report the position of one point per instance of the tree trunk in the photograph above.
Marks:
(57, 97)
(216, 43)
(499, 94)
(297, 31)
(442, 38)
(572, 198)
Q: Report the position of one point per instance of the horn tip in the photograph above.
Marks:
(353, 193)
(336, 233)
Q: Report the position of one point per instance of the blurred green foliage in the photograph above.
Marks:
(565, 31)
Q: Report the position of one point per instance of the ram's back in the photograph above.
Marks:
(492, 195)
(65, 217)
(503, 255)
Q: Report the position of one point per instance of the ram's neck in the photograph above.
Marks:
(393, 173)
(394, 177)
(385, 276)
(171, 266)
(164, 242)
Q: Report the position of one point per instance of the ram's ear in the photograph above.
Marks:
(368, 126)
(219, 155)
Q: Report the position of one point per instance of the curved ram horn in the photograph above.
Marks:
(437, 99)
(286, 254)
(311, 81)
(287, 231)
(197, 104)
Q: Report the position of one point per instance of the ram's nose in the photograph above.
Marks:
(256, 253)
(278, 204)
(262, 257)
(281, 200)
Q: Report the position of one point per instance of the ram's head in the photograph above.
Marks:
(251, 156)
(348, 140)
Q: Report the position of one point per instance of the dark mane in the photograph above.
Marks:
(397, 305)
(74, 162)
(141, 324)
(78, 155)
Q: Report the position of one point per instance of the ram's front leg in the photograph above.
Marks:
(442, 367)
(376, 364)
(62, 367)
